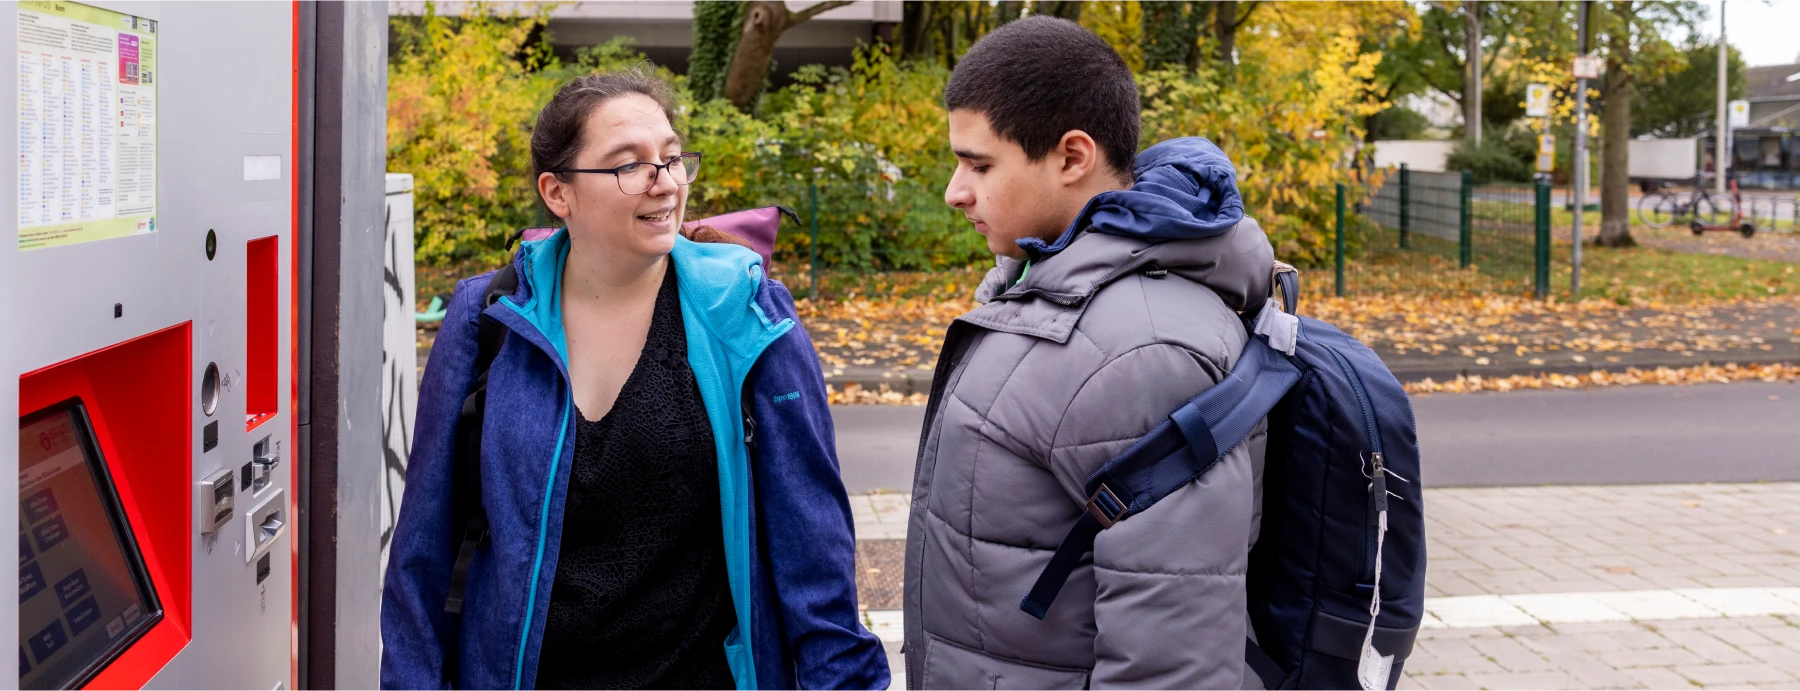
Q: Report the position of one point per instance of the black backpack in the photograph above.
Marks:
(1337, 577)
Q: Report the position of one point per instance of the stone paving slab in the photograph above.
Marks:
(1523, 540)
(1580, 587)
(1704, 653)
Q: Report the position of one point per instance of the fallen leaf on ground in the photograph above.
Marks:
(1679, 376)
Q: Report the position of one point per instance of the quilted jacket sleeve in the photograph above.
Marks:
(1169, 607)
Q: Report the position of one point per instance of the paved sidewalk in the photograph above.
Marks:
(1638, 586)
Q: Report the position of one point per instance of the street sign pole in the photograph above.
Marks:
(1722, 132)
(1581, 153)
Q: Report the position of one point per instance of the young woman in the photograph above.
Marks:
(657, 460)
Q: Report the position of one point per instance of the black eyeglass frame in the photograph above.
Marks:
(656, 170)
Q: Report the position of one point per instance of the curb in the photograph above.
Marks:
(905, 382)
(919, 381)
(1411, 372)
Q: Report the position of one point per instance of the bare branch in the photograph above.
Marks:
(1487, 66)
(1249, 9)
(814, 11)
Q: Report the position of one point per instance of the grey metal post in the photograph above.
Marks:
(1472, 55)
(1722, 132)
(1581, 152)
(340, 524)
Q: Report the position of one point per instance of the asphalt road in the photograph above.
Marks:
(1622, 435)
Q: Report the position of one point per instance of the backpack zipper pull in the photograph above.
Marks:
(1373, 668)
(1378, 488)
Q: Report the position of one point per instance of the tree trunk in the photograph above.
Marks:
(915, 29)
(1197, 15)
(948, 27)
(764, 22)
(1615, 124)
(1471, 100)
(1066, 9)
(1007, 11)
(716, 30)
(1225, 30)
(1163, 37)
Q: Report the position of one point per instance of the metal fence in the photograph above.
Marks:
(1773, 212)
(1415, 231)
(1420, 229)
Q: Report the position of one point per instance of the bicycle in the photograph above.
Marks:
(1701, 211)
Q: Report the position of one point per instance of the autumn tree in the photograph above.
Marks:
(1171, 33)
(764, 23)
(1633, 38)
(717, 26)
(1682, 102)
(462, 93)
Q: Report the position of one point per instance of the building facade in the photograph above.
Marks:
(664, 31)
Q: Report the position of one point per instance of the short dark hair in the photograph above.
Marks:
(559, 134)
(1039, 77)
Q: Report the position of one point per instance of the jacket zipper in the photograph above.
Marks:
(1372, 433)
(951, 355)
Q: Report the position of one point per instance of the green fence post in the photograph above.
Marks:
(1340, 239)
(812, 291)
(1466, 236)
(1543, 239)
(1405, 192)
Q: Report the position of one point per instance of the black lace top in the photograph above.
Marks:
(641, 599)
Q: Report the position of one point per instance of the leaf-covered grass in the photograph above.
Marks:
(1644, 274)
(1637, 275)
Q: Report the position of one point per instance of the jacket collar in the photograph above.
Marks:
(1051, 298)
(719, 282)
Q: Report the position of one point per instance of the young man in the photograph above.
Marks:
(1115, 300)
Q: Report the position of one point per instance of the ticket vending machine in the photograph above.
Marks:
(149, 337)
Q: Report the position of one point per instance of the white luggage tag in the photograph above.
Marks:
(1282, 329)
(1372, 668)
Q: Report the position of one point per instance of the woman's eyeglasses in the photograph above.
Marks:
(637, 178)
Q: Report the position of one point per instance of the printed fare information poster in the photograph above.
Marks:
(87, 124)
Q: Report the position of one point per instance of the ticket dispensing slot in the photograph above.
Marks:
(268, 521)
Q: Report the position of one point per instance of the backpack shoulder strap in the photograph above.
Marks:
(1174, 453)
(467, 513)
(466, 510)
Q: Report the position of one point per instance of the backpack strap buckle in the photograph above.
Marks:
(1106, 507)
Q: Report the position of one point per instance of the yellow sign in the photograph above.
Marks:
(1546, 158)
(87, 124)
(1537, 101)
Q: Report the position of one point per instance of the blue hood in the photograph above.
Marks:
(1186, 189)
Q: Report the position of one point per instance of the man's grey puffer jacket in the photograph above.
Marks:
(1036, 389)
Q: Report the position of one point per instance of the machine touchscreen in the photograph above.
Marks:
(83, 592)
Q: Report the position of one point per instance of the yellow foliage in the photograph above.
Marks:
(460, 109)
(1290, 117)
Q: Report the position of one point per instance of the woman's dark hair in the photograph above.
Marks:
(559, 137)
